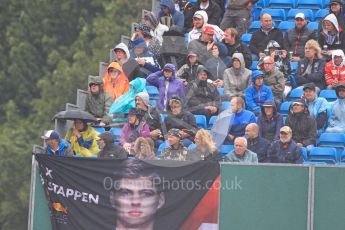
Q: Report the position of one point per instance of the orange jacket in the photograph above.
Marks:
(121, 84)
(333, 72)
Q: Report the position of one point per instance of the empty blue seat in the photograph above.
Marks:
(246, 38)
(332, 140)
(99, 129)
(225, 105)
(255, 25)
(284, 108)
(220, 91)
(152, 91)
(278, 15)
(116, 132)
(294, 66)
(328, 94)
(320, 14)
(305, 154)
(286, 25)
(295, 94)
(343, 156)
(281, 4)
(262, 3)
(211, 121)
(309, 4)
(225, 149)
(313, 26)
(307, 12)
(201, 121)
(323, 154)
(326, 3)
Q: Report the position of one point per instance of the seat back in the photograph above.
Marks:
(329, 94)
(201, 121)
(325, 154)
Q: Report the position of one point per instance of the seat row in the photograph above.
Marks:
(302, 4)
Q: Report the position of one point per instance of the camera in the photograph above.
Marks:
(278, 52)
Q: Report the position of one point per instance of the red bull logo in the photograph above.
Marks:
(59, 208)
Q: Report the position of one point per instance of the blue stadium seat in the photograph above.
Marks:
(116, 132)
(326, 3)
(295, 94)
(153, 102)
(328, 94)
(278, 15)
(220, 91)
(332, 140)
(313, 26)
(281, 4)
(343, 156)
(225, 105)
(323, 154)
(309, 4)
(225, 149)
(152, 91)
(246, 38)
(286, 25)
(262, 3)
(305, 154)
(314, 163)
(211, 121)
(191, 146)
(294, 66)
(99, 129)
(163, 116)
(162, 147)
(254, 65)
(284, 108)
(255, 25)
(321, 14)
(201, 121)
(307, 12)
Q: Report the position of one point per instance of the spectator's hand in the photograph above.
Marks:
(295, 59)
(141, 61)
(218, 83)
(210, 45)
(262, 55)
(101, 124)
(299, 144)
(231, 137)
(184, 134)
(76, 133)
(127, 146)
(212, 109)
(155, 133)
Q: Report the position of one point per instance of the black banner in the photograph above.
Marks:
(88, 193)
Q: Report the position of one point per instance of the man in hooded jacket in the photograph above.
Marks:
(336, 122)
(108, 149)
(335, 70)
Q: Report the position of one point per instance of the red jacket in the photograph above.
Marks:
(333, 72)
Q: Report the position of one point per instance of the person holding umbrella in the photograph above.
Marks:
(83, 138)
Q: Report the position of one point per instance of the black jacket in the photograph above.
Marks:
(113, 151)
(295, 40)
(258, 42)
(240, 47)
(316, 76)
(285, 153)
(259, 146)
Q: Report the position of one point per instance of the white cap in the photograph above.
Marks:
(300, 15)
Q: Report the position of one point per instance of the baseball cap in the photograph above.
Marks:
(51, 134)
(174, 132)
(300, 15)
(199, 16)
(285, 129)
(208, 29)
(191, 53)
(309, 86)
(298, 102)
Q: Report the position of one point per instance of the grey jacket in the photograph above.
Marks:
(276, 81)
(248, 157)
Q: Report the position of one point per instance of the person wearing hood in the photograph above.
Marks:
(285, 150)
(174, 48)
(169, 16)
(98, 102)
(144, 31)
(129, 66)
(82, 138)
(212, 9)
(167, 84)
(202, 46)
(200, 19)
(151, 115)
(303, 126)
(115, 81)
(238, 15)
(311, 67)
(134, 128)
(237, 78)
(332, 37)
(202, 97)
(257, 93)
(108, 149)
(295, 38)
(234, 44)
(188, 72)
(270, 121)
(157, 28)
(179, 118)
(273, 78)
(262, 36)
(336, 122)
(336, 7)
(218, 63)
(146, 59)
(55, 145)
(335, 70)
(317, 106)
(257, 143)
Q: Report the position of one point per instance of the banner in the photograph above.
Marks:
(86, 193)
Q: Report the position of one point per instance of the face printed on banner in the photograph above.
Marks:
(136, 202)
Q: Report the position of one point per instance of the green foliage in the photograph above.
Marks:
(47, 50)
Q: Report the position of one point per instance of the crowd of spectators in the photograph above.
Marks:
(190, 73)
